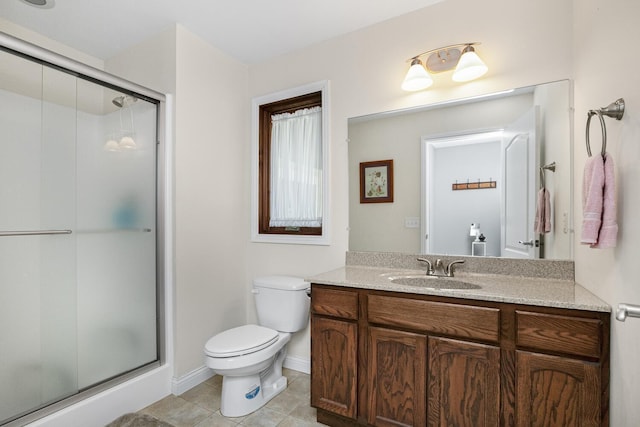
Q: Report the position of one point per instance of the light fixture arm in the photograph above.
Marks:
(444, 48)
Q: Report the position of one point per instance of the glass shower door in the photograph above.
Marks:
(78, 291)
(38, 312)
(116, 233)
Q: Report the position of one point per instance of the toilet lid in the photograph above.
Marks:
(241, 340)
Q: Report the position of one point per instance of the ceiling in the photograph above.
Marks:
(249, 30)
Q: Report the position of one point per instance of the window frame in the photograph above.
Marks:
(262, 109)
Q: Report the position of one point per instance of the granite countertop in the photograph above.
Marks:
(560, 293)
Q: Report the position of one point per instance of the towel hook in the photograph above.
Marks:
(615, 110)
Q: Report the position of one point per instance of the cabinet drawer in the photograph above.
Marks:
(563, 334)
(334, 302)
(456, 320)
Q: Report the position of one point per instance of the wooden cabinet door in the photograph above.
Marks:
(463, 384)
(334, 370)
(556, 391)
(396, 376)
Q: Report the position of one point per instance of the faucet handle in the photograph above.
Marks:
(429, 266)
(449, 269)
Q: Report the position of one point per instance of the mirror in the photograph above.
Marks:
(443, 182)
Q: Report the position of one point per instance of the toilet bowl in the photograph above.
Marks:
(250, 357)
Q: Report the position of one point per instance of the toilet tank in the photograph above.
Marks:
(282, 302)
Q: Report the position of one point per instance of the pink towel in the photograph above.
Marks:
(608, 235)
(599, 228)
(542, 221)
(592, 199)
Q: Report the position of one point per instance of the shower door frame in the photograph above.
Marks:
(82, 71)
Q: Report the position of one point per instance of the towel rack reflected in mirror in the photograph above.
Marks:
(615, 110)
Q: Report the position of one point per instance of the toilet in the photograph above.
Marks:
(250, 357)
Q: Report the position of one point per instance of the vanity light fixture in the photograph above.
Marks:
(468, 65)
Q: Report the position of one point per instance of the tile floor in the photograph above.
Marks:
(200, 407)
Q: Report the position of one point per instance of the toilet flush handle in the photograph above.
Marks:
(255, 291)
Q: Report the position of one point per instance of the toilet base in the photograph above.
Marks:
(245, 394)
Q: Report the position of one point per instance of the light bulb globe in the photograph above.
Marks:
(111, 145)
(469, 67)
(127, 143)
(417, 77)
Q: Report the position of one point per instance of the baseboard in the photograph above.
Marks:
(188, 381)
(297, 364)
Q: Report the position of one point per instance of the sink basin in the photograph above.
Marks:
(433, 282)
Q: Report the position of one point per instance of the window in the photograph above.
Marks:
(290, 166)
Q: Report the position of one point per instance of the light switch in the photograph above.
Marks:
(412, 222)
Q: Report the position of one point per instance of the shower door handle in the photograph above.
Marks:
(33, 232)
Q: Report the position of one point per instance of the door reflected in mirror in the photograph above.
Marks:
(470, 161)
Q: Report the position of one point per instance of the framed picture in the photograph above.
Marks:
(376, 181)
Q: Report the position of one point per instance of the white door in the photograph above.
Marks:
(520, 159)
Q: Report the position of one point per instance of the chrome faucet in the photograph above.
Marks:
(440, 268)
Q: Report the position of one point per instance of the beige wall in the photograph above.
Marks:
(157, 54)
(209, 155)
(523, 43)
(211, 209)
(612, 274)
(365, 69)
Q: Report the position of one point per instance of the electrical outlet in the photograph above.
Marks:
(412, 222)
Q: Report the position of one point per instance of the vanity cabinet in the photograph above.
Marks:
(334, 342)
(384, 358)
(464, 383)
(396, 378)
(566, 385)
(568, 382)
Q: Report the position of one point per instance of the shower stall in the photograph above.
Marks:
(80, 293)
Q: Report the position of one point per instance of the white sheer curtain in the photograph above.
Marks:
(296, 169)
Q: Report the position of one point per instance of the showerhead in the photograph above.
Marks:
(123, 100)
